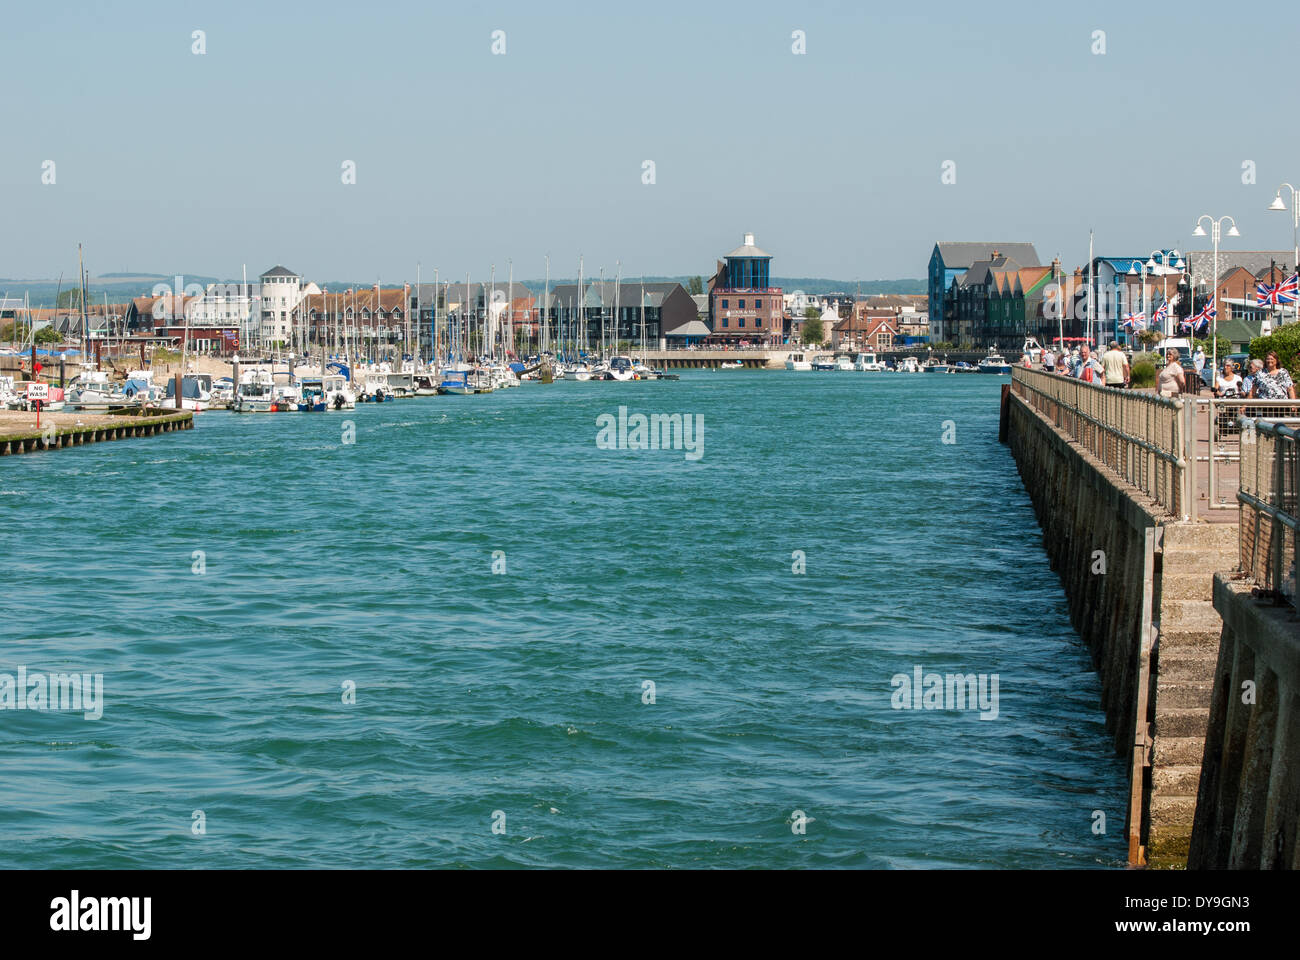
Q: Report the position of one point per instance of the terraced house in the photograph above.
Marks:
(949, 262)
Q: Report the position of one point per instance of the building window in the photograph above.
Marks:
(724, 322)
(758, 321)
(742, 304)
(758, 304)
(742, 322)
(724, 304)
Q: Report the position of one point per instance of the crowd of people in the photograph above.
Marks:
(1264, 378)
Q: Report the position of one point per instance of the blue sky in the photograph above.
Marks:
(167, 161)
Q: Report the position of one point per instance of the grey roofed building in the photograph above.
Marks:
(961, 255)
(748, 250)
(1200, 263)
(693, 328)
(279, 271)
(949, 260)
(667, 306)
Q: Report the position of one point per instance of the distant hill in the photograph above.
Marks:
(120, 287)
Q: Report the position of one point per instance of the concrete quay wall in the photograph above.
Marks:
(1248, 808)
(1138, 585)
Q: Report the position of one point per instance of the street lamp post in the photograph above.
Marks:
(1279, 204)
(1216, 227)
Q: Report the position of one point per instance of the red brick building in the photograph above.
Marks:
(743, 305)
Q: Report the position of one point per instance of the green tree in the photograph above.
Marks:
(814, 331)
(696, 286)
(47, 335)
(1285, 341)
(812, 313)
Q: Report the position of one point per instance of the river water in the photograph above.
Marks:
(559, 654)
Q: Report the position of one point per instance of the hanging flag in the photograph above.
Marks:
(1201, 321)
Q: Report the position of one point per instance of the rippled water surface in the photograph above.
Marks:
(371, 563)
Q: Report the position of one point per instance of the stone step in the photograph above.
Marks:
(1184, 751)
(1184, 693)
(1176, 780)
(1180, 722)
(1186, 663)
(1181, 537)
(1192, 639)
(1183, 616)
(1169, 808)
(1199, 561)
(1187, 586)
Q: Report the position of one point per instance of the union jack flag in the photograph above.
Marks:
(1289, 290)
(1135, 321)
(1201, 321)
(1162, 314)
(1266, 294)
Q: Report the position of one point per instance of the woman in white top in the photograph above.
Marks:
(1228, 383)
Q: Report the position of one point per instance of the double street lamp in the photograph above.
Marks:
(1279, 204)
(1151, 265)
(1216, 229)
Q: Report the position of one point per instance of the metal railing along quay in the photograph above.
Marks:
(1218, 441)
(1141, 437)
(1270, 465)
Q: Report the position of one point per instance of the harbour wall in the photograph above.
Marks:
(59, 433)
(1248, 808)
(1139, 586)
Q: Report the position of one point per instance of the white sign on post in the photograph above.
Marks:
(38, 391)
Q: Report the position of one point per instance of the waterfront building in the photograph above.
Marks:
(950, 260)
(366, 321)
(1015, 307)
(743, 304)
(966, 302)
(617, 309)
(281, 292)
(872, 329)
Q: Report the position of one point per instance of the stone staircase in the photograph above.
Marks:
(1182, 679)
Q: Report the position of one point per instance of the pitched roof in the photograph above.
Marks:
(748, 250)
(1201, 262)
(962, 255)
(279, 271)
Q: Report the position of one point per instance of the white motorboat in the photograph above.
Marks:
(196, 393)
(577, 371)
(843, 362)
(620, 368)
(867, 363)
(823, 361)
(798, 361)
(255, 393)
(909, 365)
(337, 392)
(994, 363)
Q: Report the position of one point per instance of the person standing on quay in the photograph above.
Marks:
(1087, 369)
(1172, 380)
(1273, 382)
(1248, 381)
(1114, 366)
